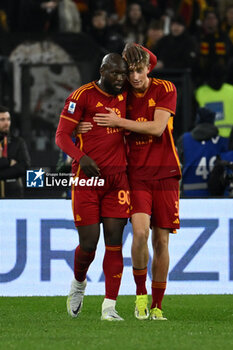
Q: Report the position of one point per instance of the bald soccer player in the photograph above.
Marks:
(99, 155)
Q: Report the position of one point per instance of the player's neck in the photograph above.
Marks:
(100, 85)
(106, 88)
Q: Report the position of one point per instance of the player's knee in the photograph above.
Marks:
(160, 244)
(88, 245)
(140, 236)
(113, 239)
(88, 239)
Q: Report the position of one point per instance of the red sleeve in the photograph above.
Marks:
(70, 116)
(153, 58)
(74, 106)
(167, 97)
(64, 139)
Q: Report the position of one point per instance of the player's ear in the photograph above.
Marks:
(148, 68)
(103, 68)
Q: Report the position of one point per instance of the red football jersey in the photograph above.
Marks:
(104, 145)
(152, 157)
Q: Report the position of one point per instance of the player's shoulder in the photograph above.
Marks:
(201, 88)
(223, 140)
(165, 85)
(187, 136)
(76, 94)
(227, 86)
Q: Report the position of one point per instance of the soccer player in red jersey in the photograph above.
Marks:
(154, 173)
(99, 153)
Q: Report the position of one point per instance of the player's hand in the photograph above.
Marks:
(83, 127)
(132, 54)
(89, 166)
(68, 160)
(110, 119)
(12, 162)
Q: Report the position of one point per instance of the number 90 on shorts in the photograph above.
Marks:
(110, 201)
(123, 197)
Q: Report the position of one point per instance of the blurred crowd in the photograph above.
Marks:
(191, 34)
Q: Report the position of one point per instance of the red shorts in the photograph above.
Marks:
(159, 199)
(112, 200)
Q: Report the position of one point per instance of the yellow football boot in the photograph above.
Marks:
(157, 315)
(141, 310)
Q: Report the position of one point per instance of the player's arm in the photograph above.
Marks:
(155, 127)
(65, 129)
(165, 106)
(64, 141)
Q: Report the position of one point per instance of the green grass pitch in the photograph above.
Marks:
(200, 322)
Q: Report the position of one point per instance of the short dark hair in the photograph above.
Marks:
(99, 13)
(178, 19)
(205, 115)
(156, 25)
(210, 10)
(4, 109)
